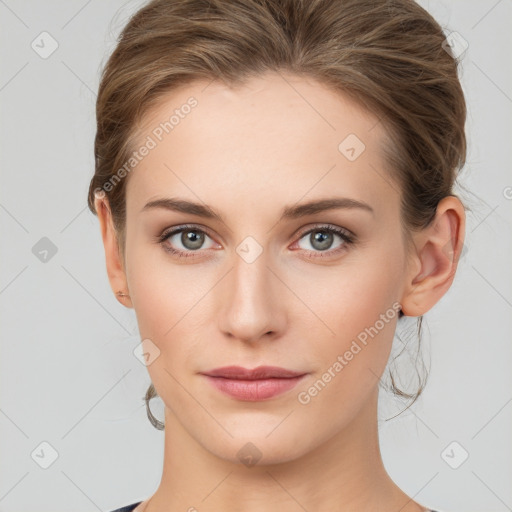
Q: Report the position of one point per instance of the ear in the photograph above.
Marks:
(437, 252)
(115, 265)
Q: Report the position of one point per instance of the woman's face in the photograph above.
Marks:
(264, 281)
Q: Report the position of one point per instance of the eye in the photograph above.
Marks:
(321, 239)
(184, 240)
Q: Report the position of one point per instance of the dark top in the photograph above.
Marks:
(129, 508)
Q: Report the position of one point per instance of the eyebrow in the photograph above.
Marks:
(288, 213)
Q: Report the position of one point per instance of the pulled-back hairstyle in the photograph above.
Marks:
(390, 56)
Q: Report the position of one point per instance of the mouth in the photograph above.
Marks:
(261, 383)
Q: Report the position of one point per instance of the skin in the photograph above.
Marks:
(248, 152)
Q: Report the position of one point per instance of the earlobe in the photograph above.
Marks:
(113, 259)
(438, 251)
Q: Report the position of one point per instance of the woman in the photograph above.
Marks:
(274, 189)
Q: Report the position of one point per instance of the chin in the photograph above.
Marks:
(253, 445)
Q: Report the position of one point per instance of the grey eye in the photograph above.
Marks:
(192, 239)
(321, 240)
(187, 240)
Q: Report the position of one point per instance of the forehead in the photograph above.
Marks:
(276, 138)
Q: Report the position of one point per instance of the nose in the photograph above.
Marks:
(252, 302)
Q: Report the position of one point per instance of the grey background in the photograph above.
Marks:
(68, 376)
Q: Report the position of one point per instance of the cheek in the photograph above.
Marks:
(166, 302)
(168, 298)
(362, 313)
(359, 304)
(155, 288)
(352, 295)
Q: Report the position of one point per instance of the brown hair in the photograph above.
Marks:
(388, 55)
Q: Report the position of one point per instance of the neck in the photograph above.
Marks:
(345, 473)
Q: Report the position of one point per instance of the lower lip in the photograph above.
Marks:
(254, 390)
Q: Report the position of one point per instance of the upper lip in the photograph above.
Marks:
(260, 372)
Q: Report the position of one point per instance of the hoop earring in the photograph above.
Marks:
(151, 393)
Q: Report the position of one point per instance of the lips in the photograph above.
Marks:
(261, 372)
(261, 383)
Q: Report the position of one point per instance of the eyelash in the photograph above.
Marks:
(347, 237)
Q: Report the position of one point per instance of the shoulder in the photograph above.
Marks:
(127, 508)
